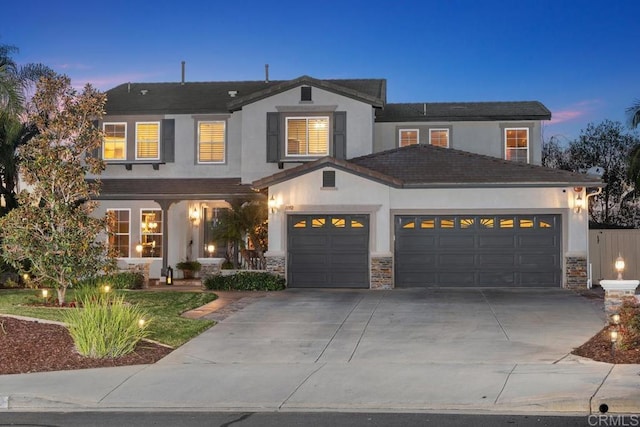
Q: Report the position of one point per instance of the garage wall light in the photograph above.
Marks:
(579, 204)
(274, 205)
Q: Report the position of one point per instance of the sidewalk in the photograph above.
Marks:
(253, 362)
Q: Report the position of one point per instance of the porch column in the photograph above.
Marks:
(165, 205)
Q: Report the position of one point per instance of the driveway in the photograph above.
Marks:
(400, 326)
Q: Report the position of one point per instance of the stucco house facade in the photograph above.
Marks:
(362, 193)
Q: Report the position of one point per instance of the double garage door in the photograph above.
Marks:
(447, 250)
(478, 250)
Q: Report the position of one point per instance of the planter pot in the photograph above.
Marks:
(188, 274)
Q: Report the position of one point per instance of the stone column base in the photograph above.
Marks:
(381, 273)
(576, 272)
(275, 265)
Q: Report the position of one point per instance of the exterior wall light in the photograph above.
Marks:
(579, 204)
(194, 215)
(619, 266)
(273, 204)
(139, 248)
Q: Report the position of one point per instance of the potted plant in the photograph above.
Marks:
(189, 268)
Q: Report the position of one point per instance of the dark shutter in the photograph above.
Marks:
(96, 152)
(305, 93)
(328, 179)
(273, 137)
(168, 140)
(340, 134)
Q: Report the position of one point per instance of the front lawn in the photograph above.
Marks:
(165, 308)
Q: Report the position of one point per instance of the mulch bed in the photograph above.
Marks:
(599, 348)
(32, 346)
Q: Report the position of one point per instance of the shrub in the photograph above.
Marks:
(189, 265)
(106, 326)
(245, 281)
(120, 280)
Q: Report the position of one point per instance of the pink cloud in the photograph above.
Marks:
(108, 82)
(574, 111)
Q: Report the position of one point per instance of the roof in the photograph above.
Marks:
(460, 111)
(174, 189)
(214, 97)
(427, 166)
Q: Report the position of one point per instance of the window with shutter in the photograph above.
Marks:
(211, 142)
(148, 141)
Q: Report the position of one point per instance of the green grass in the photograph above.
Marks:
(165, 308)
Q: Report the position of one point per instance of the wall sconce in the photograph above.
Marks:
(194, 215)
(619, 266)
(579, 203)
(273, 204)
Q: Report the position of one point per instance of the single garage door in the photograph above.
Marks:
(478, 250)
(329, 251)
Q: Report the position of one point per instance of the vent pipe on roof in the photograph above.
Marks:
(266, 73)
(129, 87)
(425, 109)
(182, 82)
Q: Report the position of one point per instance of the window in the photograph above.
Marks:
(516, 142)
(439, 137)
(307, 136)
(408, 137)
(120, 227)
(115, 141)
(151, 233)
(148, 140)
(211, 137)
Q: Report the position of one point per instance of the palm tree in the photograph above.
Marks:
(13, 134)
(242, 219)
(15, 80)
(634, 114)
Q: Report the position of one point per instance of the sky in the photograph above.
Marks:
(580, 58)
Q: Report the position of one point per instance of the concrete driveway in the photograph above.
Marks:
(400, 326)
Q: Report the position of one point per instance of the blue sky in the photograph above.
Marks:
(580, 58)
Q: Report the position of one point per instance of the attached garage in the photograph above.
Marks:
(328, 251)
(478, 250)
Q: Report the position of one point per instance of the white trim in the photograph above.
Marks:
(519, 149)
(159, 233)
(136, 138)
(306, 119)
(125, 142)
(224, 142)
(123, 234)
(417, 131)
(440, 129)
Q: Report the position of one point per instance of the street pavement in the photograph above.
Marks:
(404, 350)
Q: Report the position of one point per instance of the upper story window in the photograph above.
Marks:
(307, 136)
(120, 228)
(516, 141)
(408, 137)
(439, 137)
(147, 141)
(211, 137)
(115, 141)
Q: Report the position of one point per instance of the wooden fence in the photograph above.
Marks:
(604, 248)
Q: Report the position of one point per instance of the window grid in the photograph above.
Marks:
(408, 137)
(114, 146)
(120, 228)
(151, 233)
(517, 144)
(148, 140)
(439, 137)
(211, 142)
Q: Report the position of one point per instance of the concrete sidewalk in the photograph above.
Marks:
(503, 351)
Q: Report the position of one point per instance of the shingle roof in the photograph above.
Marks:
(214, 97)
(174, 189)
(427, 166)
(459, 111)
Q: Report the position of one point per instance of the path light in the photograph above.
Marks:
(619, 266)
(45, 294)
(141, 323)
(615, 319)
(169, 276)
(106, 289)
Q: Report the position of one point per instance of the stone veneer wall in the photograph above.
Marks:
(381, 273)
(613, 300)
(576, 273)
(275, 265)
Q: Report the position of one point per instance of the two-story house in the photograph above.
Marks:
(362, 193)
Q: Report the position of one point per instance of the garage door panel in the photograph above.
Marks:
(478, 250)
(456, 260)
(328, 250)
(497, 241)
